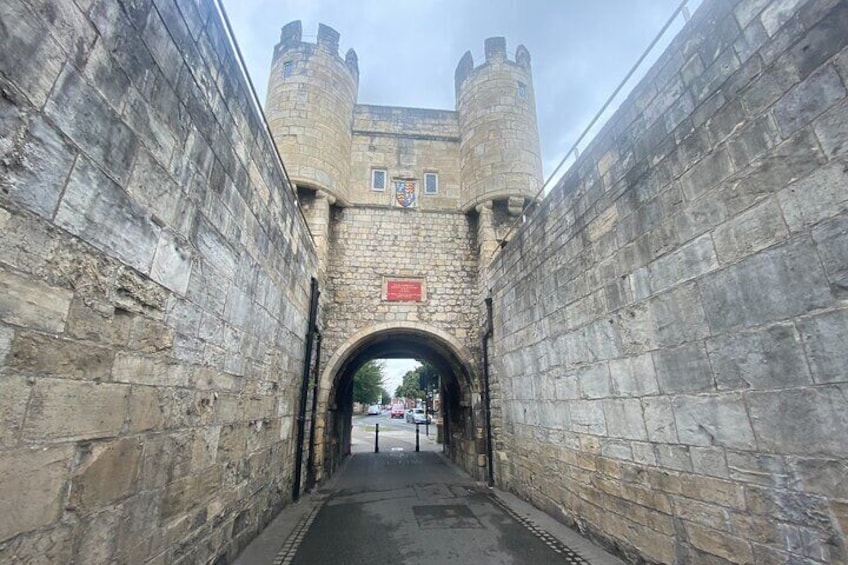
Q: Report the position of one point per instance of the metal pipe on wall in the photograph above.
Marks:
(304, 387)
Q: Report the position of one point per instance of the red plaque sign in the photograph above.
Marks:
(403, 291)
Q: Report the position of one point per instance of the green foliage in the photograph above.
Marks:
(425, 374)
(368, 383)
(385, 397)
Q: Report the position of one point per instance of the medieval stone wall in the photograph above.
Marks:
(372, 245)
(406, 142)
(671, 367)
(154, 287)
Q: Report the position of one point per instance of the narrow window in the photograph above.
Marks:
(522, 89)
(288, 68)
(378, 179)
(431, 183)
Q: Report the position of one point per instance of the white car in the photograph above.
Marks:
(374, 410)
(417, 416)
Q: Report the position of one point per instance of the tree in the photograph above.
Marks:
(417, 381)
(368, 383)
(385, 396)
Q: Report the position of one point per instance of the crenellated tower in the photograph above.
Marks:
(500, 157)
(311, 95)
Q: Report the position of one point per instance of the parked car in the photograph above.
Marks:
(417, 416)
(397, 411)
(374, 410)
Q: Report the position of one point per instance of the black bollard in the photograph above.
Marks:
(417, 445)
(376, 438)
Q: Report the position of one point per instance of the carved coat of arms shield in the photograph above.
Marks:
(405, 193)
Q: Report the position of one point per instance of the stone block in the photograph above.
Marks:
(106, 473)
(706, 174)
(63, 409)
(812, 421)
(32, 303)
(53, 545)
(760, 227)
(145, 411)
(36, 162)
(668, 319)
(624, 419)
(822, 41)
(832, 128)
(709, 461)
(734, 297)
(770, 358)
(102, 135)
(757, 468)
(687, 262)
(13, 403)
(587, 416)
(807, 100)
(100, 212)
(819, 476)
(816, 197)
(659, 419)
(674, 457)
(171, 263)
(786, 163)
(27, 40)
(708, 515)
(633, 376)
(154, 188)
(594, 381)
(99, 323)
(831, 239)
(824, 338)
(714, 420)
(34, 353)
(776, 14)
(684, 369)
(149, 370)
(32, 487)
(719, 543)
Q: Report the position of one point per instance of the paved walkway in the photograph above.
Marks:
(403, 507)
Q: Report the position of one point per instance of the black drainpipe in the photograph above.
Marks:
(304, 387)
(310, 461)
(487, 398)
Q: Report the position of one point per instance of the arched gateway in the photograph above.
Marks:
(459, 388)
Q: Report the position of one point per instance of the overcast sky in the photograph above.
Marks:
(408, 50)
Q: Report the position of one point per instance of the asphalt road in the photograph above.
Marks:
(415, 508)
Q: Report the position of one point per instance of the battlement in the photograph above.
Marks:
(495, 52)
(291, 37)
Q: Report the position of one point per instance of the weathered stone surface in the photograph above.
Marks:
(108, 472)
(659, 419)
(633, 376)
(816, 197)
(805, 102)
(713, 420)
(684, 369)
(624, 419)
(28, 303)
(96, 209)
(13, 403)
(831, 238)
(760, 227)
(800, 421)
(823, 337)
(688, 262)
(767, 359)
(42, 354)
(32, 485)
(62, 409)
(733, 297)
(55, 545)
(35, 162)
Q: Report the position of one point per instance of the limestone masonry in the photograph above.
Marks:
(185, 293)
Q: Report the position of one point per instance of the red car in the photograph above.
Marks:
(398, 411)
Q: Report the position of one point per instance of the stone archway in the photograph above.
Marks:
(455, 362)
